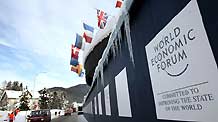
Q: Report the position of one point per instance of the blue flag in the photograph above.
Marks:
(79, 41)
(74, 62)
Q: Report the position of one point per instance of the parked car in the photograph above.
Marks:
(74, 109)
(39, 116)
(68, 112)
(80, 110)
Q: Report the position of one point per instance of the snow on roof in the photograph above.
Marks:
(17, 94)
(13, 94)
(100, 35)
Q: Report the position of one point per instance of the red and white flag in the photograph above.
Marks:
(88, 34)
(75, 52)
(119, 3)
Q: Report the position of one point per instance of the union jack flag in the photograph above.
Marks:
(102, 18)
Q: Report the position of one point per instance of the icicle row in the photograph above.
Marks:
(129, 41)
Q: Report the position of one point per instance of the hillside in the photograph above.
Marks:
(72, 94)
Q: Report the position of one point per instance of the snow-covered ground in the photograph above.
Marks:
(21, 117)
(3, 116)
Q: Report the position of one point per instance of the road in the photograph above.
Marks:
(72, 118)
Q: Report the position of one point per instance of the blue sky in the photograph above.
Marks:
(36, 38)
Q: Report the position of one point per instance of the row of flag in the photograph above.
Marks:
(88, 35)
(78, 46)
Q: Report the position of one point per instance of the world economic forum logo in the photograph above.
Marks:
(170, 51)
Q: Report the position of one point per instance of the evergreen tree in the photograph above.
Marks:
(62, 100)
(9, 85)
(44, 99)
(56, 101)
(21, 87)
(14, 86)
(53, 103)
(24, 100)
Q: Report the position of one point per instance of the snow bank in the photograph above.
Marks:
(21, 116)
(4, 116)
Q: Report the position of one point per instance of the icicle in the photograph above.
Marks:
(116, 45)
(110, 46)
(113, 50)
(102, 75)
(119, 35)
(106, 60)
(119, 39)
(98, 81)
(129, 42)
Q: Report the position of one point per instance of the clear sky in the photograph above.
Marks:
(36, 38)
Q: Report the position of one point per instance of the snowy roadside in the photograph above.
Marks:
(4, 116)
(21, 117)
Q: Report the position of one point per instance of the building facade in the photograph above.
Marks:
(159, 65)
(10, 98)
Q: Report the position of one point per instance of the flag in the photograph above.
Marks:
(74, 68)
(75, 52)
(88, 34)
(81, 74)
(79, 41)
(77, 69)
(74, 62)
(102, 18)
(119, 3)
(80, 67)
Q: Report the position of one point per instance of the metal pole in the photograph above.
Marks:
(34, 84)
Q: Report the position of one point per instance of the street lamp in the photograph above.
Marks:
(34, 84)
